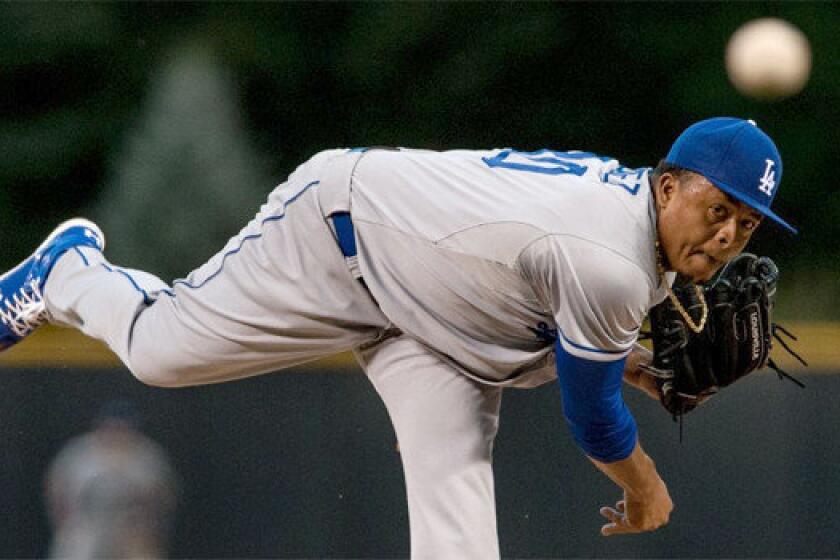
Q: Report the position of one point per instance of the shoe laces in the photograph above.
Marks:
(25, 310)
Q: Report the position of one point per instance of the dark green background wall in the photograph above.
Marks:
(303, 465)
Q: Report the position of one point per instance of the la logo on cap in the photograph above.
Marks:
(768, 182)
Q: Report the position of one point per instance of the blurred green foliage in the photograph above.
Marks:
(187, 177)
(77, 85)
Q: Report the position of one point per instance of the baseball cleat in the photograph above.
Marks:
(22, 307)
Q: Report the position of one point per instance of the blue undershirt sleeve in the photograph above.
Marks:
(593, 406)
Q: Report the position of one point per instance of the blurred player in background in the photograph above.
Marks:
(451, 275)
(111, 492)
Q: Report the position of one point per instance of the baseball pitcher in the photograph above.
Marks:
(451, 276)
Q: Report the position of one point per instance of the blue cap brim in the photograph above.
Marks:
(763, 210)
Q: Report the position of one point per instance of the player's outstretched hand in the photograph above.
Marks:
(638, 514)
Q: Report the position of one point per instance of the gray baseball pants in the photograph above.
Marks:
(279, 294)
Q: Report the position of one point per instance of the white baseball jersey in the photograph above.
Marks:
(487, 256)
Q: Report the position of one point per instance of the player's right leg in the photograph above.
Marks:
(278, 294)
(445, 424)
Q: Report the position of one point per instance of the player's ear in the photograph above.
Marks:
(665, 188)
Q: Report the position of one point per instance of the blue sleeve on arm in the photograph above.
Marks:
(592, 404)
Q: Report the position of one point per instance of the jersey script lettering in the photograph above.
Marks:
(550, 162)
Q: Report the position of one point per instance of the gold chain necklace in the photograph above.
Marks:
(699, 291)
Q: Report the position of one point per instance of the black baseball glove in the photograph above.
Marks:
(736, 340)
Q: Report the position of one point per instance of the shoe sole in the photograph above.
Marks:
(74, 222)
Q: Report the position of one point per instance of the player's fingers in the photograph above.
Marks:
(607, 529)
(619, 528)
(620, 506)
(611, 514)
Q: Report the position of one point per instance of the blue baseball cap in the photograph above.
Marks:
(737, 157)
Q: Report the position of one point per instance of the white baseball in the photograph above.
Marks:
(768, 58)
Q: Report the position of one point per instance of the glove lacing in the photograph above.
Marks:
(679, 415)
(774, 330)
(25, 311)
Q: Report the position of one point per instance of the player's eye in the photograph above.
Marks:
(718, 212)
(749, 225)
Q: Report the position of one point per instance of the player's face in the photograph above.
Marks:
(701, 228)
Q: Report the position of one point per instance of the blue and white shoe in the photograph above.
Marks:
(22, 307)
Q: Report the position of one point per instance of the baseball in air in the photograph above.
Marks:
(768, 58)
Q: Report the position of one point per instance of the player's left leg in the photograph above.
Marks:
(22, 307)
(445, 424)
(278, 294)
